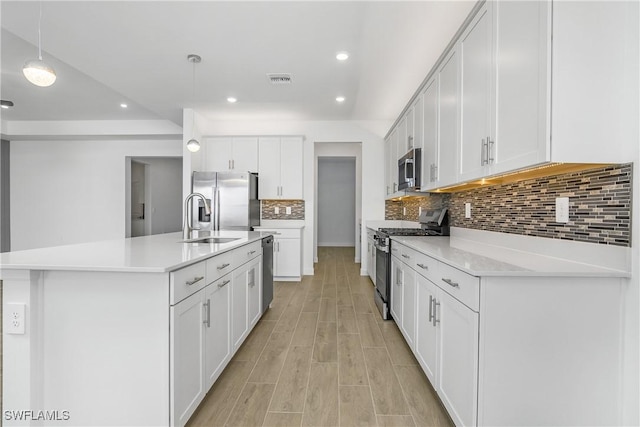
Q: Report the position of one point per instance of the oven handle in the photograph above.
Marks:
(382, 248)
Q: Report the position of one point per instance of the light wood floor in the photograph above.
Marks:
(322, 356)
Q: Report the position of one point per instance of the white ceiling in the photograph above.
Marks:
(110, 52)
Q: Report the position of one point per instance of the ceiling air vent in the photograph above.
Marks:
(279, 78)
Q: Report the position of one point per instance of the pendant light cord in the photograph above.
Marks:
(40, 32)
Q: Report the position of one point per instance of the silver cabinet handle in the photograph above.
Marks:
(410, 142)
(252, 278)
(207, 306)
(233, 164)
(223, 284)
(435, 312)
(395, 184)
(223, 266)
(451, 282)
(431, 299)
(251, 252)
(406, 256)
(424, 267)
(195, 280)
(483, 152)
(398, 274)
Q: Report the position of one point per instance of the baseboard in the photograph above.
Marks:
(364, 272)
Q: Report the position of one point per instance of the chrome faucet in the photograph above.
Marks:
(188, 224)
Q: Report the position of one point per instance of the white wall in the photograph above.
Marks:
(369, 133)
(65, 192)
(336, 202)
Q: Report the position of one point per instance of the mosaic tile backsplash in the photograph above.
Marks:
(268, 209)
(599, 206)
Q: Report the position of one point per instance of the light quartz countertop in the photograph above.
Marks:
(159, 253)
(482, 259)
(280, 223)
(391, 223)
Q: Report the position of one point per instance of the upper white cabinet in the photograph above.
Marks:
(280, 168)
(237, 154)
(476, 152)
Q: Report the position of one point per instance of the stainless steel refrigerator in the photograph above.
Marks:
(233, 198)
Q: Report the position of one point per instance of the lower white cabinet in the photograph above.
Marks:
(187, 356)
(397, 278)
(371, 256)
(208, 326)
(409, 304)
(217, 330)
(287, 253)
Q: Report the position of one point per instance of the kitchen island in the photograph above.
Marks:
(124, 332)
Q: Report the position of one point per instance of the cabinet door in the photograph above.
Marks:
(522, 60)
(401, 142)
(476, 73)
(409, 306)
(254, 289)
(418, 125)
(269, 168)
(430, 139)
(371, 260)
(239, 326)
(458, 359)
(187, 354)
(287, 262)
(426, 333)
(393, 162)
(410, 138)
(217, 154)
(448, 122)
(387, 168)
(291, 175)
(396, 290)
(245, 154)
(217, 327)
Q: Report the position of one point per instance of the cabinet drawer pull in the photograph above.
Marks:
(424, 267)
(223, 266)
(223, 284)
(435, 312)
(431, 299)
(251, 252)
(451, 282)
(195, 280)
(405, 256)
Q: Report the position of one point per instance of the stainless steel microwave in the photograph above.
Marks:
(409, 170)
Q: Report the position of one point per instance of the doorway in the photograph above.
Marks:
(336, 201)
(153, 196)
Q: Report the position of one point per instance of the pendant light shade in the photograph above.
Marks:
(39, 73)
(193, 145)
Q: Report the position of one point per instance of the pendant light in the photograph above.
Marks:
(37, 71)
(193, 145)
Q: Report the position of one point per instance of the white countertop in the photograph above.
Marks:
(390, 223)
(280, 223)
(159, 253)
(481, 259)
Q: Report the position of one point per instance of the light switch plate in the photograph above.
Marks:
(467, 210)
(288, 210)
(14, 318)
(562, 209)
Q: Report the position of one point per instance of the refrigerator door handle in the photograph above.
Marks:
(217, 209)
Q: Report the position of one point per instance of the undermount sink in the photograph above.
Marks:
(211, 240)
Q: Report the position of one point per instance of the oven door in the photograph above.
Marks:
(381, 296)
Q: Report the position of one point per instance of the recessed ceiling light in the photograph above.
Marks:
(231, 99)
(342, 56)
(340, 98)
(6, 104)
(123, 105)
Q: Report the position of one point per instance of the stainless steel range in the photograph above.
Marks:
(433, 222)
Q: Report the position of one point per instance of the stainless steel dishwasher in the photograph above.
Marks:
(267, 272)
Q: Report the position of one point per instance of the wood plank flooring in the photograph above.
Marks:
(322, 356)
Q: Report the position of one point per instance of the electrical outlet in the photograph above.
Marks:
(276, 210)
(419, 210)
(404, 211)
(562, 209)
(14, 318)
(467, 210)
(288, 210)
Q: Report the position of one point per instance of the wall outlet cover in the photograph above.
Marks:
(14, 318)
(562, 209)
(288, 210)
(467, 210)
(276, 210)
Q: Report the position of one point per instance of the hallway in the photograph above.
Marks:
(322, 356)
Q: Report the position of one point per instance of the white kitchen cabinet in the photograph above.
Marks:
(287, 253)
(280, 168)
(239, 293)
(426, 333)
(402, 141)
(254, 288)
(457, 378)
(187, 356)
(217, 331)
(230, 154)
(391, 164)
(397, 281)
(409, 306)
(476, 74)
